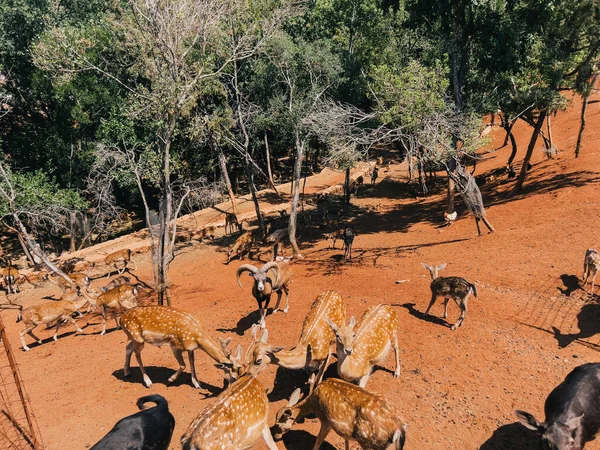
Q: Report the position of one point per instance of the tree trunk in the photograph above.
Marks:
(534, 136)
(583, 110)
(549, 130)
(508, 126)
(304, 182)
(225, 175)
(513, 143)
(296, 196)
(268, 159)
(347, 187)
(450, 196)
(250, 178)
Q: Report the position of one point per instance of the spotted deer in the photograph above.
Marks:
(114, 301)
(362, 345)
(162, 325)
(114, 258)
(54, 311)
(80, 279)
(591, 266)
(236, 420)
(456, 288)
(316, 334)
(351, 411)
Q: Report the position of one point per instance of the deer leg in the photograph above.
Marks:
(58, 324)
(103, 322)
(323, 432)
(128, 353)
(488, 224)
(266, 434)
(178, 353)
(137, 348)
(22, 334)
(397, 355)
(263, 315)
(114, 314)
(287, 299)
(446, 308)
(477, 219)
(195, 381)
(431, 303)
(79, 330)
(462, 304)
(363, 380)
(37, 339)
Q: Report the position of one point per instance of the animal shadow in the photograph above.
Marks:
(571, 283)
(301, 440)
(422, 316)
(588, 322)
(244, 324)
(511, 437)
(286, 382)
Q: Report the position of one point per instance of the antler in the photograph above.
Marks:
(245, 268)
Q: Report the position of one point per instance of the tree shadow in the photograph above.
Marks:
(301, 440)
(571, 283)
(510, 437)
(588, 322)
(161, 375)
(422, 316)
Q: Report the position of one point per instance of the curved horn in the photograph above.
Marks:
(271, 265)
(245, 268)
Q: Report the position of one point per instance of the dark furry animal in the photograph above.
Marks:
(149, 429)
(348, 237)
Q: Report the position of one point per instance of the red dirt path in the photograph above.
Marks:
(529, 327)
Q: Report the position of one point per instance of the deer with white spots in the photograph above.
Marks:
(362, 345)
(352, 412)
(237, 419)
(114, 302)
(316, 333)
(162, 325)
(80, 279)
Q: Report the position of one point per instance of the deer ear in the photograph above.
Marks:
(265, 336)
(295, 397)
(238, 352)
(333, 326)
(426, 266)
(352, 322)
(441, 266)
(135, 290)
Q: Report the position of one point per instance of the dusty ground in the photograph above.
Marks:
(530, 326)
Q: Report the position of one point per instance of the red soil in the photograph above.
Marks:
(530, 326)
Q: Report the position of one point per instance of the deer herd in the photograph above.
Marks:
(238, 418)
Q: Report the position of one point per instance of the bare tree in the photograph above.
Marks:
(586, 92)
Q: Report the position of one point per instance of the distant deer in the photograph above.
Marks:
(316, 334)
(374, 175)
(236, 420)
(162, 325)
(358, 183)
(80, 279)
(123, 256)
(114, 301)
(231, 223)
(54, 311)
(591, 266)
(13, 278)
(243, 245)
(349, 235)
(455, 288)
(361, 346)
(352, 412)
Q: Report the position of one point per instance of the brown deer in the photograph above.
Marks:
(352, 412)
(231, 223)
(13, 278)
(116, 282)
(162, 325)
(316, 334)
(362, 346)
(54, 311)
(114, 301)
(591, 266)
(236, 420)
(456, 288)
(243, 245)
(80, 279)
(123, 256)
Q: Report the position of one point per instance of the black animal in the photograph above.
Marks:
(374, 175)
(348, 237)
(572, 411)
(149, 429)
(511, 172)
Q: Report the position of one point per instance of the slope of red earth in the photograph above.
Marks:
(531, 324)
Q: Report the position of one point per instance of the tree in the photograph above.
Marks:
(586, 82)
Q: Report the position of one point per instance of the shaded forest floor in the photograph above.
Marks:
(530, 326)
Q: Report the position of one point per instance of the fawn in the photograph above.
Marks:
(591, 266)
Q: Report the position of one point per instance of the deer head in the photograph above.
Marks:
(434, 270)
(344, 335)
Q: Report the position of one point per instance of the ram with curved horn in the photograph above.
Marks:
(270, 278)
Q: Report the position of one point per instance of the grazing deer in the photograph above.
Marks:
(118, 281)
(352, 412)
(456, 288)
(243, 245)
(236, 420)
(162, 325)
(54, 311)
(123, 256)
(591, 266)
(271, 277)
(362, 346)
(114, 301)
(316, 334)
(80, 279)
(231, 223)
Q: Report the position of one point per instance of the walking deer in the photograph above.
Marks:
(591, 266)
(361, 346)
(235, 421)
(456, 288)
(352, 412)
(316, 334)
(162, 325)
(123, 256)
(54, 311)
(271, 277)
(114, 301)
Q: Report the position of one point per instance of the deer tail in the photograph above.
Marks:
(474, 288)
(19, 318)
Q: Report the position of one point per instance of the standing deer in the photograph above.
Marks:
(352, 412)
(362, 346)
(591, 266)
(231, 223)
(114, 301)
(54, 311)
(80, 279)
(162, 325)
(456, 288)
(271, 277)
(236, 420)
(316, 334)
(123, 256)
